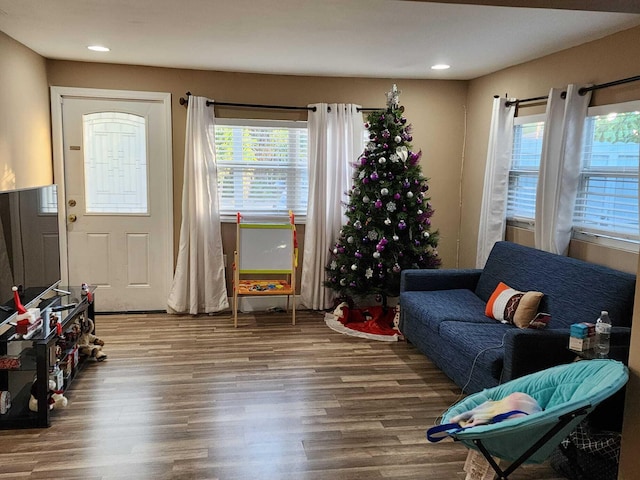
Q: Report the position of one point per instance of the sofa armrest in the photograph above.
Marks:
(446, 279)
(527, 350)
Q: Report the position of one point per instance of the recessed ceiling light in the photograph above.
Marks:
(440, 66)
(98, 48)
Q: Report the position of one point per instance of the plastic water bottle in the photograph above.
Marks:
(603, 334)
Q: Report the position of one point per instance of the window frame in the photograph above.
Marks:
(250, 122)
(524, 222)
(620, 240)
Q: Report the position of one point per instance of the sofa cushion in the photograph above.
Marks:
(574, 291)
(430, 308)
(474, 340)
(513, 306)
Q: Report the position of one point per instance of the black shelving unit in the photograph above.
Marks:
(36, 360)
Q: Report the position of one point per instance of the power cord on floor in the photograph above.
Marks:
(461, 395)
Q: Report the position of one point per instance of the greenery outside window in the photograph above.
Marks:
(607, 200)
(262, 168)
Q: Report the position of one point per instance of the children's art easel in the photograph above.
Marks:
(265, 249)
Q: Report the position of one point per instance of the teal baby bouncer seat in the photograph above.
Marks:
(566, 394)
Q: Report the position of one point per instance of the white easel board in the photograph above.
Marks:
(265, 248)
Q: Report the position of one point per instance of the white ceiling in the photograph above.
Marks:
(368, 38)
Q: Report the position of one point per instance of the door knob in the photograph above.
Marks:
(72, 218)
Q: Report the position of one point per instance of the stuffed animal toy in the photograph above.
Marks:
(89, 344)
(55, 398)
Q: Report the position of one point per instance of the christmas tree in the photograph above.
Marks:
(389, 213)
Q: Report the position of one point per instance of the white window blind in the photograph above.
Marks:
(525, 167)
(262, 168)
(607, 200)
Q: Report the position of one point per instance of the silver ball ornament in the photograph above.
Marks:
(354, 267)
(384, 191)
(376, 254)
(409, 194)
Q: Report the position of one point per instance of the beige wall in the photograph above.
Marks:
(25, 129)
(608, 59)
(435, 108)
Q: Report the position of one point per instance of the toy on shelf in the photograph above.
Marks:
(55, 398)
(28, 322)
(265, 249)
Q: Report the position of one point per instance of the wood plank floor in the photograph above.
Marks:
(185, 397)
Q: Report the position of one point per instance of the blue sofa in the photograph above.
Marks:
(442, 313)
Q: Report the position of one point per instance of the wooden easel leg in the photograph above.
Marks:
(235, 309)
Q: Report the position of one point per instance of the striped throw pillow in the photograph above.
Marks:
(512, 306)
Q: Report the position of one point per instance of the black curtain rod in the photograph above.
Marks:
(185, 101)
(585, 90)
(582, 91)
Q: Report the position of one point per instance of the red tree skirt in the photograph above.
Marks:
(373, 323)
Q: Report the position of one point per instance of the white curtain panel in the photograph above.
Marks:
(336, 140)
(496, 180)
(199, 280)
(559, 169)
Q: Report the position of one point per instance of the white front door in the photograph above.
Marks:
(117, 199)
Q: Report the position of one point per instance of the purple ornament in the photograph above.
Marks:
(417, 242)
(386, 134)
(366, 125)
(403, 120)
(380, 265)
(385, 146)
(396, 268)
(358, 254)
(341, 249)
(373, 176)
(380, 248)
(406, 184)
(396, 196)
(363, 160)
(352, 284)
(402, 225)
(383, 241)
(378, 203)
(365, 180)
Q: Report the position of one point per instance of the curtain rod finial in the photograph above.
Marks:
(496, 96)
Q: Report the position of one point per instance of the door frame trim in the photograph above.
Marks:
(58, 94)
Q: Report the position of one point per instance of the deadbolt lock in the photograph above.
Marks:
(72, 203)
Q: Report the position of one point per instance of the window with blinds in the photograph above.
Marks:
(607, 200)
(262, 168)
(525, 168)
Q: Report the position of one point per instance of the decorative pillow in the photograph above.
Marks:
(513, 306)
